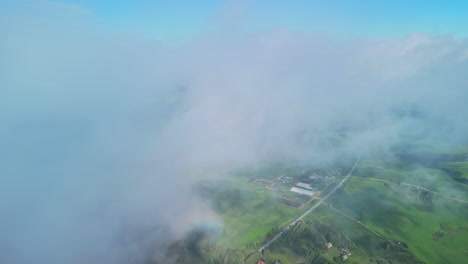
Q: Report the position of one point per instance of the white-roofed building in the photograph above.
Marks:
(302, 191)
(304, 185)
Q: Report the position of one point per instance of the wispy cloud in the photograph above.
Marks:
(103, 135)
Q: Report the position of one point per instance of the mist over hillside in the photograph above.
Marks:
(104, 135)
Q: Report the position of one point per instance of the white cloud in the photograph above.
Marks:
(104, 135)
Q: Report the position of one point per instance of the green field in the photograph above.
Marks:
(430, 178)
(396, 216)
(433, 227)
(305, 243)
(258, 213)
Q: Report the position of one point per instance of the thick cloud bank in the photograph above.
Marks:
(102, 135)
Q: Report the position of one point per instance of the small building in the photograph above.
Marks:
(344, 253)
(260, 262)
(304, 185)
(302, 191)
(328, 245)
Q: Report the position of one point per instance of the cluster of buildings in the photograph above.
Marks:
(321, 180)
(303, 188)
(309, 183)
(344, 253)
(307, 189)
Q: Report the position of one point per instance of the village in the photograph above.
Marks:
(300, 189)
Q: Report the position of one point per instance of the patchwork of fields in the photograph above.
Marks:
(398, 212)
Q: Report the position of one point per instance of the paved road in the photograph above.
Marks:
(313, 207)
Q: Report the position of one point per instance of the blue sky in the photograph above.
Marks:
(348, 18)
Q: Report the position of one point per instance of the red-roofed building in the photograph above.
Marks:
(260, 262)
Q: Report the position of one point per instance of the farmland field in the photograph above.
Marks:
(258, 212)
(380, 213)
(389, 214)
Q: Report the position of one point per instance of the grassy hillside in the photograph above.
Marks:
(397, 218)
(393, 210)
(305, 243)
(404, 213)
(249, 212)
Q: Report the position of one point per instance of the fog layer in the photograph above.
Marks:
(104, 134)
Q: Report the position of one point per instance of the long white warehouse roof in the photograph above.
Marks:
(302, 191)
(304, 185)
